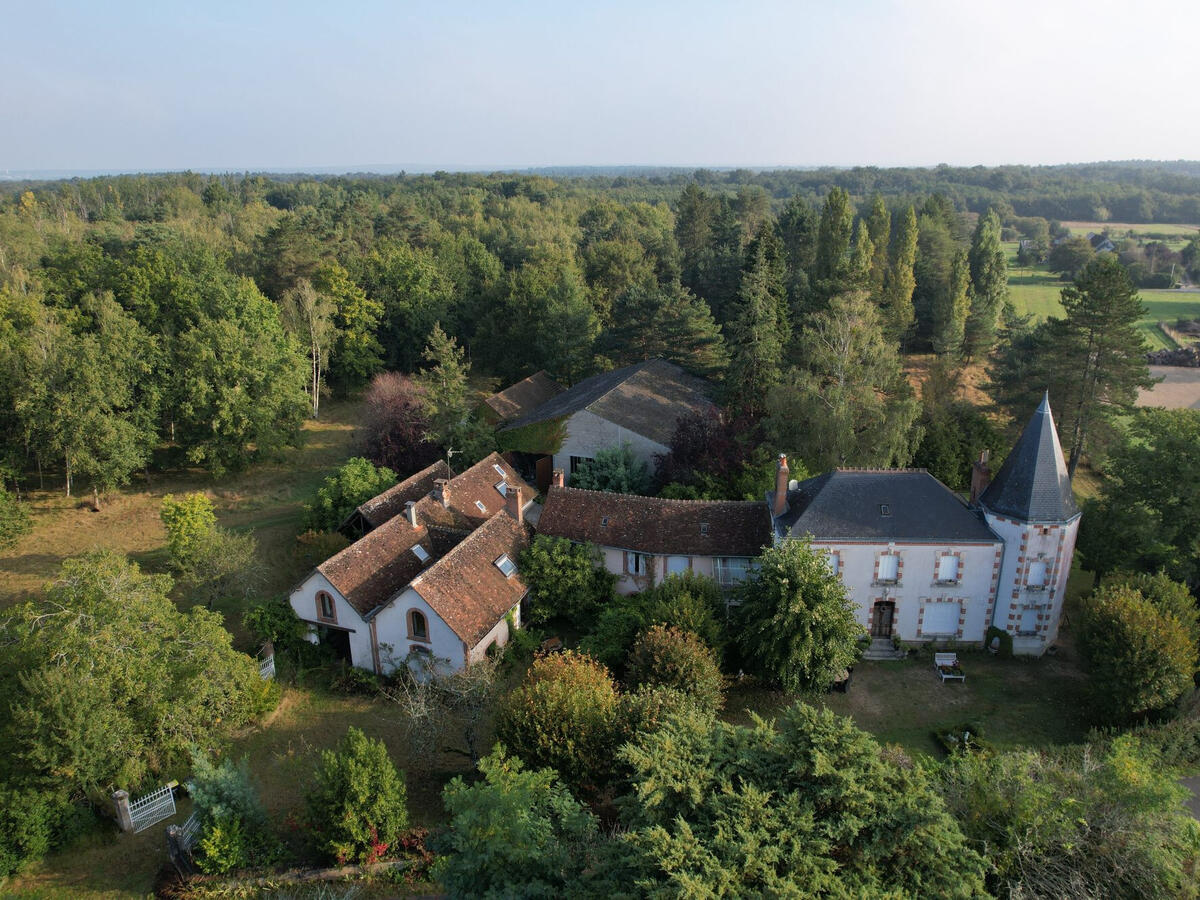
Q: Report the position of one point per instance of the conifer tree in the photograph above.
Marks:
(989, 285)
(879, 227)
(951, 305)
(670, 322)
(861, 258)
(831, 266)
(900, 281)
(760, 329)
(445, 383)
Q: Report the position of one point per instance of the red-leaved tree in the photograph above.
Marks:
(395, 432)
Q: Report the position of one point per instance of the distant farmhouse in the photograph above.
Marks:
(434, 568)
(639, 405)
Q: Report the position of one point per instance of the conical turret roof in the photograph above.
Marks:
(1033, 484)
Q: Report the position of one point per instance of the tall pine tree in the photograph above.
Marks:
(760, 329)
(832, 265)
(989, 285)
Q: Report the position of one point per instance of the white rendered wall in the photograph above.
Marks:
(304, 602)
(498, 635)
(1026, 543)
(391, 628)
(979, 568)
(656, 571)
(587, 433)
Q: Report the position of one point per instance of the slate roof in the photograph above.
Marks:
(1033, 484)
(647, 398)
(391, 502)
(476, 484)
(658, 526)
(466, 589)
(523, 397)
(846, 504)
(377, 565)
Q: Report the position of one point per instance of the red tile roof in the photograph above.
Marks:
(391, 502)
(376, 566)
(474, 486)
(465, 587)
(658, 526)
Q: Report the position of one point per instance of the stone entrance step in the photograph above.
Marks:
(881, 648)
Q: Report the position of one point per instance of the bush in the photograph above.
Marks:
(564, 578)
(1140, 660)
(357, 806)
(1005, 648)
(562, 716)
(619, 624)
(669, 657)
(234, 829)
(615, 470)
(14, 519)
(314, 547)
(275, 621)
(357, 481)
(29, 822)
(516, 833)
(348, 679)
(646, 708)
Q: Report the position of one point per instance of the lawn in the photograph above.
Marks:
(1016, 703)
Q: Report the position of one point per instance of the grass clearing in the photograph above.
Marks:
(1016, 703)
(1181, 231)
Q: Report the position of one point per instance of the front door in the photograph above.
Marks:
(881, 619)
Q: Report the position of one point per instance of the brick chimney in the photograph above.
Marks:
(410, 510)
(981, 476)
(782, 474)
(441, 489)
(558, 478)
(515, 504)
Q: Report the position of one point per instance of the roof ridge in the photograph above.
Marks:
(679, 500)
(399, 485)
(380, 531)
(453, 550)
(880, 470)
(635, 367)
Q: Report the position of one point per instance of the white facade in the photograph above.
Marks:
(1033, 579)
(305, 601)
(586, 433)
(926, 607)
(648, 569)
(382, 644)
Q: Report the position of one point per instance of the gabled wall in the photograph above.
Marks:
(304, 601)
(395, 642)
(588, 433)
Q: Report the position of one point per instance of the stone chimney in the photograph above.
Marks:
(782, 476)
(981, 476)
(441, 490)
(558, 478)
(515, 504)
(410, 511)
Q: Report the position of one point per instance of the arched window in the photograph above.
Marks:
(418, 627)
(325, 608)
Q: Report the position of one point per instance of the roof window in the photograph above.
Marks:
(704, 528)
(506, 565)
(499, 471)
(482, 508)
(604, 521)
(420, 553)
(502, 488)
(885, 509)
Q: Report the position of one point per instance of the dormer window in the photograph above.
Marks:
(481, 507)
(506, 565)
(502, 488)
(420, 553)
(885, 509)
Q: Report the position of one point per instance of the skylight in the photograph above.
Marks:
(506, 565)
(482, 508)
(604, 521)
(499, 471)
(502, 488)
(885, 509)
(420, 553)
(704, 528)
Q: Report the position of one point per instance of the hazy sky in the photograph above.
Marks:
(107, 84)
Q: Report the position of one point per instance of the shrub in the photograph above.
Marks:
(516, 833)
(615, 470)
(677, 659)
(235, 832)
(357, 481)
(643, 710)
(357, 806)
(562, 717)
(618, 626)
(29, 821)
(1167, 596)
(274, 620)
(1140, 660)
(564, 578)
(1005, 648)
(14, 519)
(314, 547)
(189, 520)
(692, 603)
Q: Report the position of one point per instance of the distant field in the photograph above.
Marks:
(1136, 228)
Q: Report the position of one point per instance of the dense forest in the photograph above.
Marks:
(161, 320)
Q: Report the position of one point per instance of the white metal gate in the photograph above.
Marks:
(154, 807)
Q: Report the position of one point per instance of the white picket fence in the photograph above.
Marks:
(189, 832)
(154, 807)
(266, 668)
